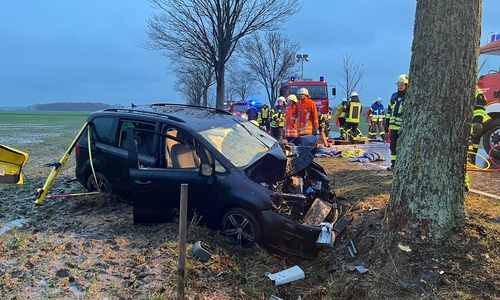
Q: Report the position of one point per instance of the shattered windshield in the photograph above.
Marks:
(488, 64)
(242, 143)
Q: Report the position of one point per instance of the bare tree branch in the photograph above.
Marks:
(352, 75)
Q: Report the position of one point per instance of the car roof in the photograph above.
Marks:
(196, 117)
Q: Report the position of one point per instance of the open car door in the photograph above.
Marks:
(11, 164)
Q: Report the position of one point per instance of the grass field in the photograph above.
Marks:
(45, 136)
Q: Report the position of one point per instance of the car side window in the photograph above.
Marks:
(143, 139)
(180, 156)
(101, 130)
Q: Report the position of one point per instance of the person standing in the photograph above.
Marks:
(481, 123)
(340, 117)
(376, 119)
(264, 116)
(353, 114)
(290, 124)
(252, 113)
(278, 119)
(394, 117)
(306, 114)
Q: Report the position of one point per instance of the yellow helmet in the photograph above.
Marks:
(403, 78)
(292, 98)
(281, 98)
(303, 91)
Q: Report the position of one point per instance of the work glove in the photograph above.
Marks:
(477, 128)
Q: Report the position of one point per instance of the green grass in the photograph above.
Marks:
(45, 136)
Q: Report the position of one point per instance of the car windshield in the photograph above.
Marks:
(241, 143)
(488, 64)
(315, 91)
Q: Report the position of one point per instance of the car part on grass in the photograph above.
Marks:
(327, 237)
(11, 164)
(201, 251)
(286, 276)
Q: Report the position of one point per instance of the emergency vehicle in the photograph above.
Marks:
(318, 91)
(489, 82)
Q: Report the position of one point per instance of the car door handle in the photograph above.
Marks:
(143, 182)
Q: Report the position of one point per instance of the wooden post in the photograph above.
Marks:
(182, 241)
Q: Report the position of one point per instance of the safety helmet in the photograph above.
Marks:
(354, 94)
(293, 98)
(281, 98)
(379, 99)
(303, 91)
(403, 78)
(344, 99)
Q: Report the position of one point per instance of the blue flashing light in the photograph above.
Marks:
(292, 78)
(253, 102)
(321, 78)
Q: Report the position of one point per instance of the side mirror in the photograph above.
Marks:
(334, 91)
(206, 170)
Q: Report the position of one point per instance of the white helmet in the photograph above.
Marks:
(281, 98)
(378, 99)
(303, 91)
(293, 98)
(354, 94)
(403, 78)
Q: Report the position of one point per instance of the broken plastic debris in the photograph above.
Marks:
(288, 275)
(404, 284)
(360, 269)
(326, 237)
(404, 248)
(275, 298)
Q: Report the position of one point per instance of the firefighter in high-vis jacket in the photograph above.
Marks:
(376, 119)
(264, 116)
(353, 114)
(481, 123)
(340, 117)
(278, 119)
(394, 117)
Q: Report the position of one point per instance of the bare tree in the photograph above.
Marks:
(271, 60)
(427, 197)
(241, 84)
(194, 78)
(352, 75)
(209, 30)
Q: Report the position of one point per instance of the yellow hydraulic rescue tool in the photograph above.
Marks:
(41, 193)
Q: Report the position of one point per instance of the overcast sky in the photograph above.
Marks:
(79, 51)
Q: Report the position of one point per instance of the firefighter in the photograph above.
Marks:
(340, 117)
(376, 119)
(394, 117)
(252, 113)
(290, 124)
(278, 119)
(481, 123)
(353, 114)
(321, 132)
(264, 116)
(306, 114)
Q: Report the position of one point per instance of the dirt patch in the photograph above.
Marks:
(88, 248)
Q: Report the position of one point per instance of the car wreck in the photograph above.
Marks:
(241, 180)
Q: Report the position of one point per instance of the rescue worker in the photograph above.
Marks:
(481, 123)
(394, 117)
(340, 117)
(353, 114)
(290, 124)
(306, 114)
(252, 113)
(321, 132)
(376, 119)
(264, 116)
(278, 119)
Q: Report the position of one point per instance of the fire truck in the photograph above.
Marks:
(489, 82)
(318, 91)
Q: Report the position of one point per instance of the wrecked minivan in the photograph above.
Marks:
(240, 179)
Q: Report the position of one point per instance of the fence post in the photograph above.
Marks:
(182, 241)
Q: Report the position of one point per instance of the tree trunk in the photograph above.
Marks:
(219, 77)
(427, 197)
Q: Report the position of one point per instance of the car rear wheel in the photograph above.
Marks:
(102, 183)
(241, 227)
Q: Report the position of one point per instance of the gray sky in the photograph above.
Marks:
(79, 51)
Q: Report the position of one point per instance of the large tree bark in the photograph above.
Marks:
(427, 198)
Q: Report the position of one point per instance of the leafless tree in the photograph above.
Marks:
(351, 76)
(427, 197)
(271, 60)
(241, 84)
(194, 78)
(209, 30)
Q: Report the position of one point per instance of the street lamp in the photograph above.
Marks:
(302, 58)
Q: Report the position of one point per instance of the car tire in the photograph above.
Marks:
(102, 182)
(492, 139)
(241, 227)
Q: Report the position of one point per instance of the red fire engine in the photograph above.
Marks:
(318, 91)
(489, 82)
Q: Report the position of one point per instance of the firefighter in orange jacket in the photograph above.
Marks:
(306, 114)
(290, 125)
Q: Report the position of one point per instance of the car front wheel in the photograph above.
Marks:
(101, 185)
(241, 227)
